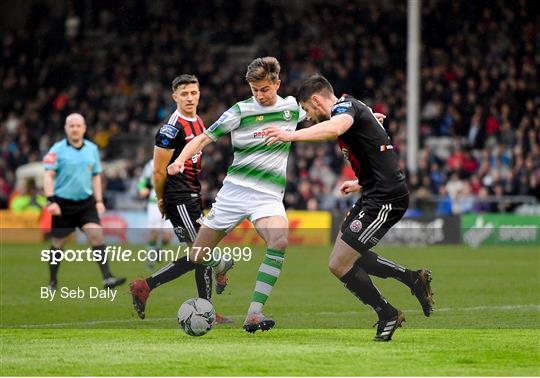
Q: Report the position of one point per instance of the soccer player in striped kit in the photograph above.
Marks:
(255, 182)
(385, 198)
(178, 196)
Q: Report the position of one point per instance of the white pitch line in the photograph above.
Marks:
(450, 309)
(92, 322)
(443, 309)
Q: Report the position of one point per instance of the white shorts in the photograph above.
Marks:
(155, 219)
(234, 203)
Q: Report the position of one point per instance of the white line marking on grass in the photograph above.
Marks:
(448, 309)
(122, 321)
(93, 322)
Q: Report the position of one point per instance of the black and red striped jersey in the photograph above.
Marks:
(367, 146)
(174, 135)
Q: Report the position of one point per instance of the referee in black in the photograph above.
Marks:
(72, 184)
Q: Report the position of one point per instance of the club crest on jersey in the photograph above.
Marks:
(355, 226)
(169, 131)
(287, 115)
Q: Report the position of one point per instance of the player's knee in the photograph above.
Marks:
(336, 268)
(96, 239)
(94, 233)
(279, 242)
(58, 243)
(154, 234)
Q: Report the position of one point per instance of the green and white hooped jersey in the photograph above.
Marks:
(256, 165)
(147, 181)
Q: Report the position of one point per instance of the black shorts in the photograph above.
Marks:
(368, 221)
(185, 214)
(74, 214)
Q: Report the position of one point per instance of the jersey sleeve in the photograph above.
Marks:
(168, 137)
(50, 160)
(344, 107)
(97, 165)
(229, 121)
(302, 115)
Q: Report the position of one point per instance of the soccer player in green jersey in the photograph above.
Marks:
(255, 182)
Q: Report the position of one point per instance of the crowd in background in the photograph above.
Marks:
(480, 100)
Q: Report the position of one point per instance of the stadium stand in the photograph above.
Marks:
(480, 108)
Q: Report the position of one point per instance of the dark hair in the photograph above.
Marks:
(314, 84)
(263, 68)
(184, 80)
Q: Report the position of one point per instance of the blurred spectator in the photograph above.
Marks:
(444, 205)
(29, 201)
(479, 86)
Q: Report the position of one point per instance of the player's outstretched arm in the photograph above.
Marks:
(327, 130)
(189, 150)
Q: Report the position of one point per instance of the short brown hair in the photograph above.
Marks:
(312, 85)
(184, 80)
(263, 68)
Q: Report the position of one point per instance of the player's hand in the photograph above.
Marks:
(350, 187)
(275, 134)
(54, 209)
(100, 207)
(144, 193)
(175, 168)
(380, 117)
(161, 207)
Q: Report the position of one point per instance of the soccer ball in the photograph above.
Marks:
(196, 316)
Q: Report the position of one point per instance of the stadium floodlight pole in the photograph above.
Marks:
(413, 83)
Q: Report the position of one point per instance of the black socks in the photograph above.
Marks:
(170, 271)
(381, 267)
(358, 282)
(203, 276)
(105, 271)
(53, 268)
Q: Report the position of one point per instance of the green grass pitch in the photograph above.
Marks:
(486, 320)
